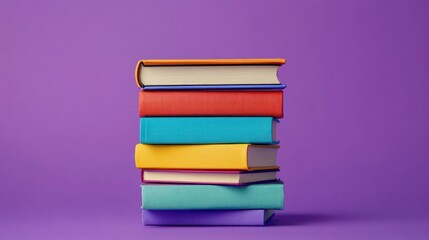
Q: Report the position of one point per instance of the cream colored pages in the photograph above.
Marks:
(262, 156)
(205, 177)
(208, 75)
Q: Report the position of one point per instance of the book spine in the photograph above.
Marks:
(203, 217)
(211, 197)
(211, 103)
(216, 156)
(206, 130)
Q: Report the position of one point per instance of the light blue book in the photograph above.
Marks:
(200, 197)
(207, 130)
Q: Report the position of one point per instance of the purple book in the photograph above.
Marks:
(207, 217)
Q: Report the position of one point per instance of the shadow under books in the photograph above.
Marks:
(283, 219)
(299, 219)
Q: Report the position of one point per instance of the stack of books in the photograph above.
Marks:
(208, 141)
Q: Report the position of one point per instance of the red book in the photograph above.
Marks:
(211, 103)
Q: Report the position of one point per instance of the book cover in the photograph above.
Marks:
(210, 197)
(213, 62)
(207, 130)
(217, 87)
(206, 157)
(207, 176)
(211, 103)
(207, 217)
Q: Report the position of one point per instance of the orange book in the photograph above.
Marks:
(175, 72)
(224, 61)
(211, 103)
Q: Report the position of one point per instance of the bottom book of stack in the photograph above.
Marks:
(204, 204)
(207, 217)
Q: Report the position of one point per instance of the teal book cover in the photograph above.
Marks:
(208, 130)
(198, 197)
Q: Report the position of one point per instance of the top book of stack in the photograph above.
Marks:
(209, 74)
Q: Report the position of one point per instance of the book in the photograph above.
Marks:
(207, 217)
(217, 87)
(207, 130)
(211, 103)
(207, 177)
(207, 71)
(206, 157)
(211, 197)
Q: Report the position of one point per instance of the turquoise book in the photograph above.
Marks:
(208, 130)
(211, 197)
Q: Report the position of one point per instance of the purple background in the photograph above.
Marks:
(354, 153)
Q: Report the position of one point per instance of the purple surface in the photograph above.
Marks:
(354, 150)
(195, 217)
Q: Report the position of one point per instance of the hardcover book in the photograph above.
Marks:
(207, 130)
(211, 103)
(207, 217)
(217, 87)
(206, 157)
(207, 71)
(210, 197)
(207, 177)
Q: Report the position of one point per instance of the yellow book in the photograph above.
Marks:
(210, 157)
